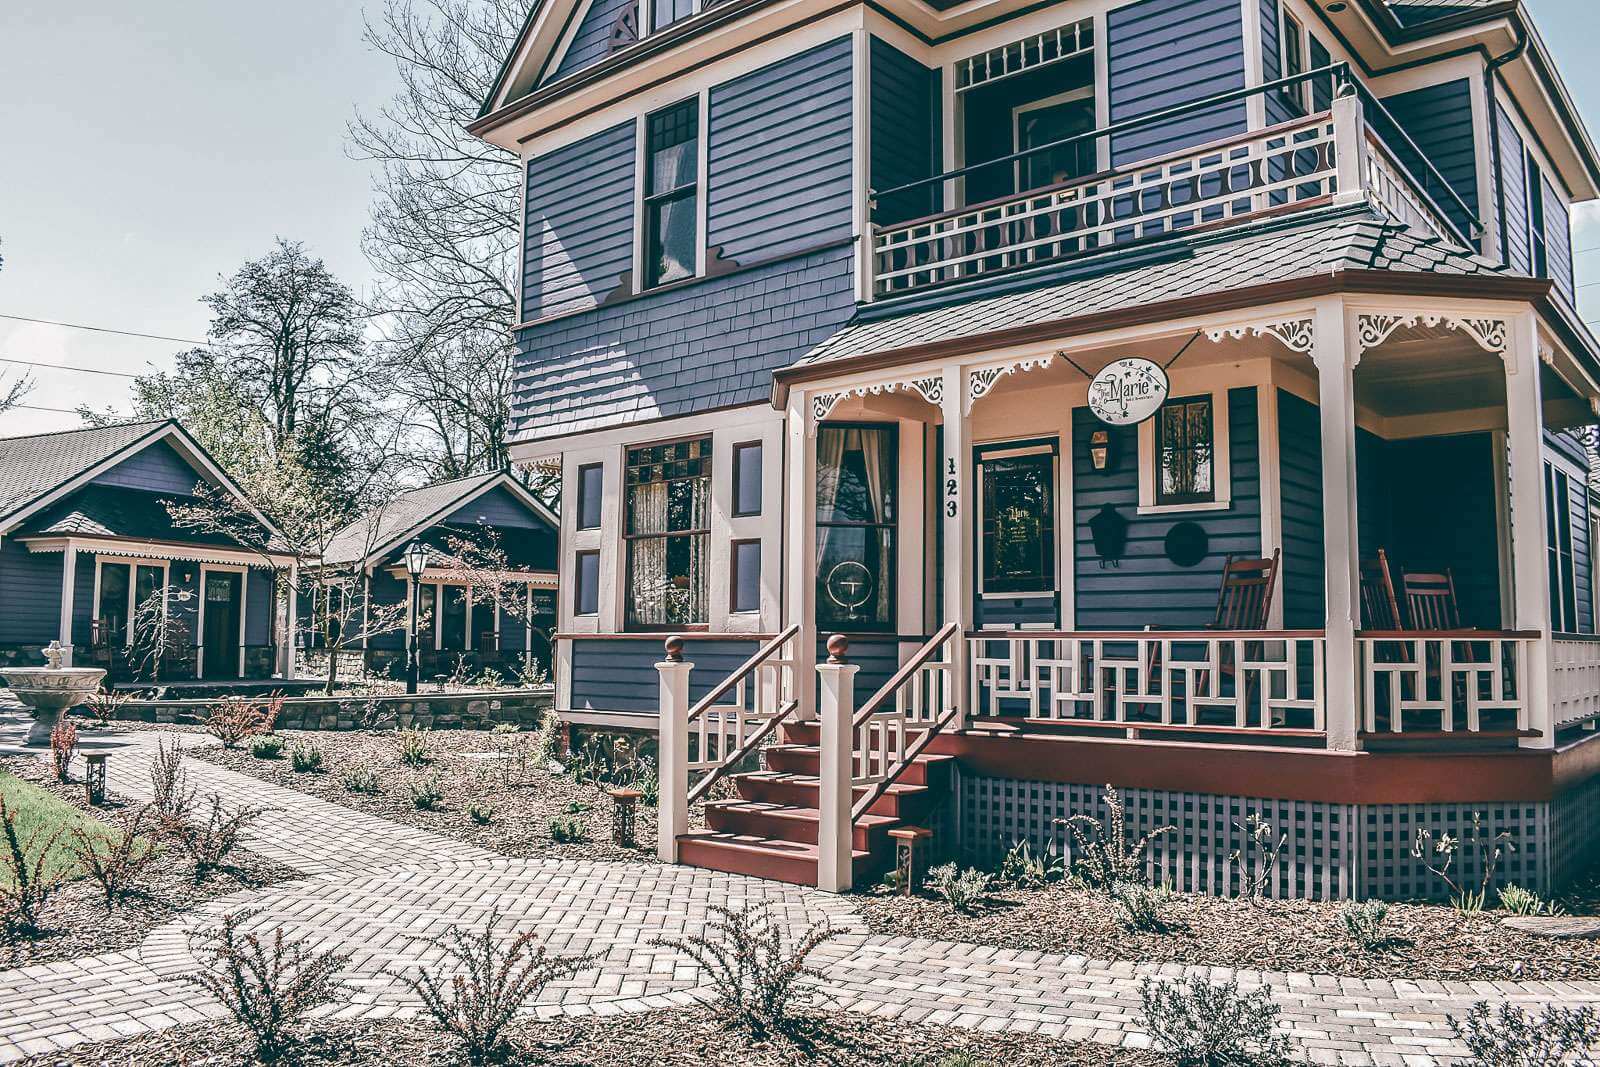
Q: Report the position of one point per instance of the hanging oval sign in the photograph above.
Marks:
(1127, 391)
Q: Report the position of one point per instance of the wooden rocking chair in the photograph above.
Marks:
(1245, 600)
(1379, 607)
(1431, 601)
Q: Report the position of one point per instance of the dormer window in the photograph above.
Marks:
(672, 194)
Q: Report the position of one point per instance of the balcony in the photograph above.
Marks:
(1352, 152)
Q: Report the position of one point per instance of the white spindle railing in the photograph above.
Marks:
(1203, 680)
(1466, 680)
(1394, 193)
(920, 698)
(1574, 680)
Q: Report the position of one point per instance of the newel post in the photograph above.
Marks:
(1349, 148)
(836, 685)
(672, 813)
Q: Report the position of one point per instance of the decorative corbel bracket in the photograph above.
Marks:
(981, 382)
(929, 387)
(1297, 335)
(1488, 334)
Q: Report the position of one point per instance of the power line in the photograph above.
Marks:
(63, 366)
(104, 329)
(36, 407)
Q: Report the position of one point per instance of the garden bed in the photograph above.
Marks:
(1424, 940)
(75, 919)
(468, 767)
(687, 1038)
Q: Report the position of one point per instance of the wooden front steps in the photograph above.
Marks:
(770, 829)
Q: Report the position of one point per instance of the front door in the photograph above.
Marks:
(1017, 582)
(221, 639)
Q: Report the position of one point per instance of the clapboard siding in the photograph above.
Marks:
(578, 242)
(1558, 240)
(1003, 613)
(1513, 196)
(778, 157)
(157, 468)
(690, 348)
(1439, 119)
(30, 585)
(258, 604)
(387, 589)
(1147, 589)
(905, 131)
(1300, 478)
(878, 659)
(1161, 53)
(1582, 554)
(621, 675)
(497, 507)
(592, 41)
(83, 606)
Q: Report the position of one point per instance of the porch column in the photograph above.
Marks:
(1336, 364)
(1530, 581)
(801, 545)
(953, 499)
(291, 622)
(69, 581)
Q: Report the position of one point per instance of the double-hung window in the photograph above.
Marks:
(1558, 546)
(1536, 227)
(668, 533)
(1294, 61)
(856, 527)
(672, 194)
(1185, 452)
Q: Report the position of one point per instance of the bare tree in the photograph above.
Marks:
(444, 227)
(14, 392)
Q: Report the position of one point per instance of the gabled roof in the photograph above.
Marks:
(373, 535)
(118, 512)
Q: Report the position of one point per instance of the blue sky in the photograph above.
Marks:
(143, 154)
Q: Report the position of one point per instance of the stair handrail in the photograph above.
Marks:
(740, 673)
(786, 706)
(907, 672)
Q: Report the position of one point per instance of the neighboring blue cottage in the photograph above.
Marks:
(466, 621)
(90, 557)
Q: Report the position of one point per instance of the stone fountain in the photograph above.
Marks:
(51, 690)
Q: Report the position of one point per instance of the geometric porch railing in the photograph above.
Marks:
(1575, 680)
(1471, 680)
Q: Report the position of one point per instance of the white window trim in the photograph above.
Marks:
(133, 562)
(1221, 459)
(200, 623)
(1085, 92)
(641, 154)
(1301, 93)
(988, 453)
(1552, 468)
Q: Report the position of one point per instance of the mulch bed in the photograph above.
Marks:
(687, 1038)
(1426, 940)
(466, 768)
(75, 918)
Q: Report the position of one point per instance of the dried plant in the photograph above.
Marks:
(1104, 858)
(116, 862)
(1139, 906)
(757, 975)
(487, 982)
(1363, 921)
(210, 841)
(232, 720)
(34, 879)
(63, 748)
(105, 705)
(267, 987)
(414, 746)
(1439, 857)
(1257, 857)
(480, 812)
(360, 780)
(1511, 1037)
(426, 794)
(1200, 1024)
(173, 796)
(963, 890)
(568, 829)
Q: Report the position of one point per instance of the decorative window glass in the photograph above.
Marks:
(1185, 452)
(1019, 548)
(591, 491)
(747, 479)
(1558, 545)
(671, 202)
(746, 584)
(668, 534)
(586, 587)
(856, 527)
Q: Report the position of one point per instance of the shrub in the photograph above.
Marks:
(266, 746)
(306, 758)
(33, 879)
(1201, 1024)
(963, 890)
(1021, 869)
(63, 748)
(426, 795)
(480, 813)
(173, 796)
(568, 829)
(1520, 901)
(1105, 859)
(1257, 857)
(267, 988)
(360, 780)
(414, 747)
(1511, 1037)
(232, 720)
(755, 971)
(1139, 905)
(1439, 857)
(117, 862)
(489, 982)
(105, 705)
(210, 841)
(1363, 921)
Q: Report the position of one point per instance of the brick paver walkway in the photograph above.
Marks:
(378, 887)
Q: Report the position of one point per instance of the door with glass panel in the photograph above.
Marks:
(1017, 581)
(855, 492)
(222, 639)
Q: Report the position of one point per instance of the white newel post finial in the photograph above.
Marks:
(673, 811)
(836, 685)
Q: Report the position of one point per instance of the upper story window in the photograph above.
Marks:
(1558, 550)
(664, 13)
(1294, 47)
(672, 193)
(1185, 452)
(1536, 222)
(591, 494)
(668, 533)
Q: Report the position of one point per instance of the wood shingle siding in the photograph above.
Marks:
(578, 242)
(1515, 249)
(778, 158)
(905, 124)
(592, 41)
(1162, 53)
(1439, 119)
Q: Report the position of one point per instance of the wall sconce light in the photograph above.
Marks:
(1100, 449)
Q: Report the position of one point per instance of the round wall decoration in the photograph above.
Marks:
(1187, 544)
(849, 585)
(1127, 391)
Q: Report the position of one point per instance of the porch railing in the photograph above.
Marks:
(1421, 682)
(1574, 680)
(1296, 162)
(1266, 682)
(919, 699)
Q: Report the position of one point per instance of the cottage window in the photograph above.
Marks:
(747, 479)
(1558, 547)
(1019, 553)
(586, 586)
(1536, 228)
(855, 527)
(671, 186)
(745, 584)
(453, 617)
(668, 533)
(1184, 452)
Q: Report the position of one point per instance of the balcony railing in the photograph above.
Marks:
(1297, 163)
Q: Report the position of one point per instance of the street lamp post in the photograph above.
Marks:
(416, 562)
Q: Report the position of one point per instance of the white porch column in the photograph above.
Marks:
(1336, 362)
(69, 581)
(801, 549)
(835, 797)
(672, 811)
(291, 624)
(953, 499)
(1525, 473)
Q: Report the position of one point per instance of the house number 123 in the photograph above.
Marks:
(950, 488)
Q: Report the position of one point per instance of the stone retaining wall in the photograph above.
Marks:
(472, 710)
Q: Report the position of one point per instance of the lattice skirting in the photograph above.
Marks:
(1332, 851)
